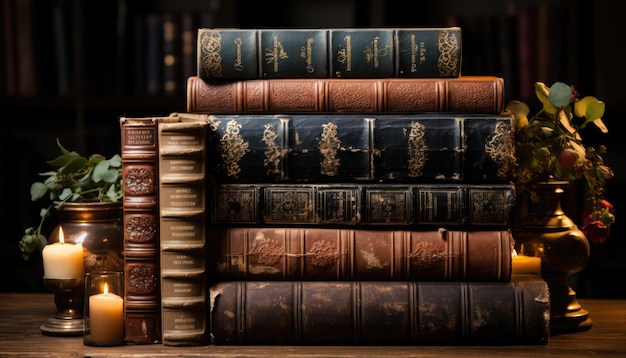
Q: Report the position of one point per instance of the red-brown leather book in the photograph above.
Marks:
(381, 312)
(140, 178)
(465, 94)
(262, 253)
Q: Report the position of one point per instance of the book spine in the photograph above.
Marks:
(362, 53)
(325, 148)
(141, 230)
(411, 206)
(283, 253)
(182, 205)
(422, 313)
(324, 53)
(465, 94)
(172, 53)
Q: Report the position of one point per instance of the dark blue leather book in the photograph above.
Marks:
(237, 54)
(331, 148)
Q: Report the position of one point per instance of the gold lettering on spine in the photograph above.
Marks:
(276, 53)
(416, 150)
(373, 53)
(329, 145)
(211, 49)
(448, 47)
(238, 65)
(414, 49)
(232, 148)
(309, 55)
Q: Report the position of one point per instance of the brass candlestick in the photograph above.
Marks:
(69, 300)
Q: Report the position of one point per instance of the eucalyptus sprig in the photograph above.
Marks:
(75, 179)
(550, 146)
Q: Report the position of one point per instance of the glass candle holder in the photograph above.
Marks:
(104, 309)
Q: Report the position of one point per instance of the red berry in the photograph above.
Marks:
(567, 158)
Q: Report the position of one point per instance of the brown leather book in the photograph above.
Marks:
(263, 253)
(140, 178)
(465, 94)
(382, 312)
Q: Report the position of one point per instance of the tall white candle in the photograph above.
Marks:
(63, 260)
(106, 318)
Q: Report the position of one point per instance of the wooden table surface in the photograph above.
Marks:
(22, 314)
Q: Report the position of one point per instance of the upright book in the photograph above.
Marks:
(465, 94)
(409, 206)
(381, 312)
(317, 254)
(375, 147)
(140, 177)
(225, 54)
(182, 208)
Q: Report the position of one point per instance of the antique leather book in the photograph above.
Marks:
(182, 208)
(376, 147)
(262, 253)
(381, 312)
(236, 53)
(411, 206)
(140, 207)
(465, 94)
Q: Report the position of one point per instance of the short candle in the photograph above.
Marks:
(526, 264)
(106, 318)
(63, 260)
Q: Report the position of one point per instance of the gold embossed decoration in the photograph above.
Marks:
(499, 147)
(329, 146)
(273, 158)
(232, 148)
(416, 150)
(448, 48)
(211, 48)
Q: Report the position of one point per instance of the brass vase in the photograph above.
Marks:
(542, 229)
(98, 227)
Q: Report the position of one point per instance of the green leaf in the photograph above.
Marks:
(595, 111)
(560, 94)
(38, 190)
(66, 194)
(100, 171)
(115, 161)
(542, 92)
(62, 160)
(74, 165)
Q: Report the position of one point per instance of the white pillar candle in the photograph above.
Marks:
(526, 264)
(63, 260)
(106, 318)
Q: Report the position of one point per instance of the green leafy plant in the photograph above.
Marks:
(76, 179)
(549, 146)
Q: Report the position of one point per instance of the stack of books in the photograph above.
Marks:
(327, 186)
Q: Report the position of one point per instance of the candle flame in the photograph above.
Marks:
(61, 236)
(106, 289)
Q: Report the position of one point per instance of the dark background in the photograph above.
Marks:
(87, 63)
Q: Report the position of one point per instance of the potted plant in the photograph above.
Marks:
(552, 156)
(86, 193)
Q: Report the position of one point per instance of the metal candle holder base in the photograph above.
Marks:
(69, 300)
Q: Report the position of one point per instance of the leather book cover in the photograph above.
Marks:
(465, 94)
(424, 52)
(287, 253)
(362, 53)
(341, 147)
(227, 54)
(294, 53)
(411, 206)
(382, 312)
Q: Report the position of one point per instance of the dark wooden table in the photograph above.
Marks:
(21, 315)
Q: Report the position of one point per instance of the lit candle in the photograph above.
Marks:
(63, 260)
(526, 264)
(106, 319)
